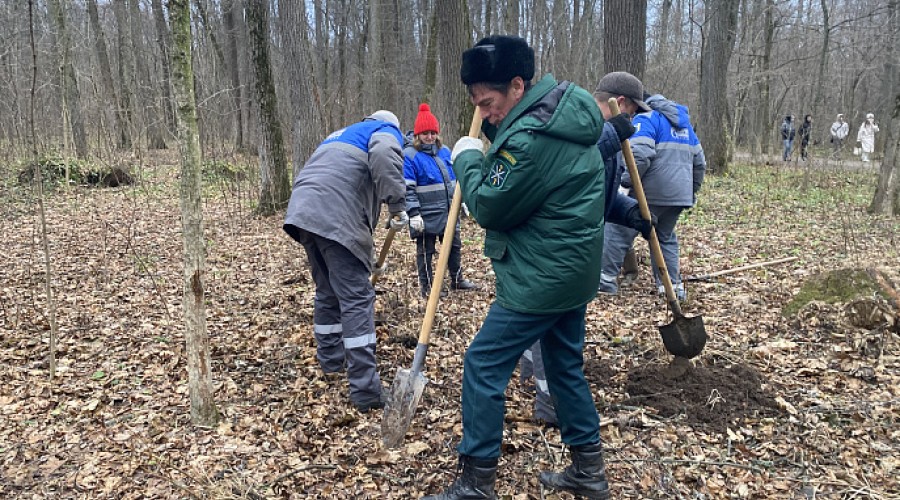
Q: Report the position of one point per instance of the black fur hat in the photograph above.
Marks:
(497, 58)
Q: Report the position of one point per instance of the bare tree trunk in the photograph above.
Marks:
(823, 58)
(106, 80)
(38, 176)
(383, 61)
(662, 36)
(146, 96)
(203, 406)
(126, 66)
(275, 187)
(391, 35)
(764, 116)
(340, 107)
(306, 118)
(431, 58)
(625, 43)
(561, 30)
(488, 16)
(887, 175)
(373, 62)
(69, 83)
(234, 74)
(210, 33)
(163, 40)
(718, 45)
(454, 36)
(511, 21)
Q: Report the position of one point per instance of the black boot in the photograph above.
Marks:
(475, 479)
(463, 284)
(585, 477)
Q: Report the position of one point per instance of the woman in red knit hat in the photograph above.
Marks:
(429, 189)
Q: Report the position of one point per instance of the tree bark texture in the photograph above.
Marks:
(163, 39)
(511, 18)
(718, 44)
(126, 66)
(123, 139)
(624, 36)
(306, 120)
(888, 174)
(454, 37)
(146, 94)
(203, 407)
(823, 58)
(234, 71)
(275, 188)
(68, 82)
(431, 58)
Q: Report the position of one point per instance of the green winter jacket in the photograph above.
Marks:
(539, 194)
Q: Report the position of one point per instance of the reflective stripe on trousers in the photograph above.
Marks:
(344, 315)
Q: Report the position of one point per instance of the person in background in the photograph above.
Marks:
(866, 137)
(671, 163)
(333, 212)
(804, 132)
(839, 131)
(430, 183)
(787, 136)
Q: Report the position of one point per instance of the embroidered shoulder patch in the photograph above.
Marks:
(499, 173)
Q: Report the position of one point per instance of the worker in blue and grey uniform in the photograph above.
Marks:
(333, 212)
(671, 164)
(430, 182)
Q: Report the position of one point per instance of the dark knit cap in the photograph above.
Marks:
(625, 84)
(497, 59)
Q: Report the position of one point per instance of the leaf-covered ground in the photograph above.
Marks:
(777, 407)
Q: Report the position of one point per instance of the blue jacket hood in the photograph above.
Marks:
(677, 114)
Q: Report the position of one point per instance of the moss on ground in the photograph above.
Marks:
(839, 285)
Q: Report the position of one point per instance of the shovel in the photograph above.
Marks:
(382, 256)
(684, 337)
(408, 385)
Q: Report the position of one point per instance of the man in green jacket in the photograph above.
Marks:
(539, 193)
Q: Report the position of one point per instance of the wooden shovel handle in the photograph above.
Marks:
(435, 294)
(638, 189)
(382, 256)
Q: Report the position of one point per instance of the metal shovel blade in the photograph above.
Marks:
(684, 337)
(403, 399)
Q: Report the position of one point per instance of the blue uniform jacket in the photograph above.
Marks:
(430, 182)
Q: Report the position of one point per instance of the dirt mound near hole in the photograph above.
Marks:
(708, 396)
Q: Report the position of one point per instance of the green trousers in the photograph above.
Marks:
(489, 364)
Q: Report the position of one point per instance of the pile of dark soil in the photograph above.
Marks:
(707, 396)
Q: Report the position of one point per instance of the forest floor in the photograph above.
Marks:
(802, 406)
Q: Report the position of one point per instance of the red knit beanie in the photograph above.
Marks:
(425, 121)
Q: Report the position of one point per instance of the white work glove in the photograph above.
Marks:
(398, 220)
(623, 190)
(466, 144)
(417, 224)
(378, 271)
(465, 210)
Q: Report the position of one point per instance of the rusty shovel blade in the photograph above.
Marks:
(402, 401)
(684, 337)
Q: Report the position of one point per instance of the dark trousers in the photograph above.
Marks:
(489, 364)
(425, 247)
(344, 317)
(618, 239)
